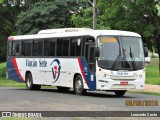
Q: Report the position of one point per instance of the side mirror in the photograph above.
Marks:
(145, 50)
(97, 52)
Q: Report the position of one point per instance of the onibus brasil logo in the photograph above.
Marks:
(56, 68)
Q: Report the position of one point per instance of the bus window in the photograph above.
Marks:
(59, 47)
(49, 47)
(65, 47)
(46, 47)
(9, 47)
(15, 48)
(76, 45)
(26, 48)
(52, 47)
(62, 47)
(37, 48)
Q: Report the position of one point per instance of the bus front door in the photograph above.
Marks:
(90, 55)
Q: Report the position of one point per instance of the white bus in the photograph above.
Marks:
(78, 58)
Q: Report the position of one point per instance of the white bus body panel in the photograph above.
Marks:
(41, 70)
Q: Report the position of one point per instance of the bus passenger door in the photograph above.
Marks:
(90, 58)
(90, 55)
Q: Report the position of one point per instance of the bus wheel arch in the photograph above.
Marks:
(78, 85)
(29, 82)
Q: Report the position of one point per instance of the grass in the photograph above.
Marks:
(152, 72)
(3, 69)
(10, 83)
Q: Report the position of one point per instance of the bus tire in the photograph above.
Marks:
(120, 93)
(63, 89)
(78, 86)
(29, 83)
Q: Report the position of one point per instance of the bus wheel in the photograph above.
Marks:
(63, 88)
(78, 86)
(29, 83)
(120, 93)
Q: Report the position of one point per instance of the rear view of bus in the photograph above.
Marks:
(120, 64)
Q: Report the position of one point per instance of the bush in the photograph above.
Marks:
(3, 69)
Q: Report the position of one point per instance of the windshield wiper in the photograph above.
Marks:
(118, 56)
(114, 64)
(133, 59)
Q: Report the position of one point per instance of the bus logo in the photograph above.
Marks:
(56, 68)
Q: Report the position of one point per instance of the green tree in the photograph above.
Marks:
(84, 19)
(46, 15)
(1, 1)
(9, 9)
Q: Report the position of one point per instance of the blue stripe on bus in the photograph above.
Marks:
(87, 74)
(12, 73)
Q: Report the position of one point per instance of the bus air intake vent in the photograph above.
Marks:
(123, 77)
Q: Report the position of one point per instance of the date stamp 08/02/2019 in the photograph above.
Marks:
(141, 103)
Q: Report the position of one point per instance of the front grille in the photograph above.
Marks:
(123, 77)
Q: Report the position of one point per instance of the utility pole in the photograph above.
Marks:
(94, 14)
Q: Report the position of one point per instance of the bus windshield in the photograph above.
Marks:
(121, 53)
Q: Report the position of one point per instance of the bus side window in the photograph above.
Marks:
(65, 47)
(49, 47)
(52, 47)
(26, 48)
(9, 48)
(75, 47)
(37, 48)
(59, 47)
(15, 48)
(46, 47)
(23, 48)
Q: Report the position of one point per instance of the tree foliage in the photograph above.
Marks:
(9, 9)
(84, 19)
(46, 15)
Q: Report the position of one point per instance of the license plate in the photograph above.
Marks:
(123, 83)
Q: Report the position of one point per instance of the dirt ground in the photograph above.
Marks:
(150, 88)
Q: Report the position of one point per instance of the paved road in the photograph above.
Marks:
(18, 99)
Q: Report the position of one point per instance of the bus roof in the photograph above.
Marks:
(71, 32)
